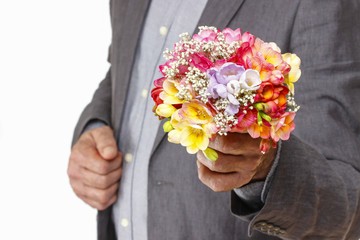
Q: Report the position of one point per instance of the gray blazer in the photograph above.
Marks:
(315, 191)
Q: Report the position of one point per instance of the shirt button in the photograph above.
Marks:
(163, 30)
(144, 93)
(128, 157)
(124, 222)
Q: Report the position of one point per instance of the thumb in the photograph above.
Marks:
(105, 142)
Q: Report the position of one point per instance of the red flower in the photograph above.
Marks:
(155, 92)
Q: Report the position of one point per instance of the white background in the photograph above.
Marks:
(52, 57)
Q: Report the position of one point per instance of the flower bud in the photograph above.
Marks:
(210, 154)
(167, 126)
(165, 110)
(264, 116)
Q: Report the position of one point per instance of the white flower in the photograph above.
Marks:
(233, 87)
(250, 80)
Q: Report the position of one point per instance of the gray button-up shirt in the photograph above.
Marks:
(165, 20)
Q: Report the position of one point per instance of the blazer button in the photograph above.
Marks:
(258, 225)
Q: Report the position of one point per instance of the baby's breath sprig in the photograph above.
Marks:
(291, 104)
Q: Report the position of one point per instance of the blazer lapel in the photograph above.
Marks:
(128, 17)
(218, 14)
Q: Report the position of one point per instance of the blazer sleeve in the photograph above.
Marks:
(315, 190)
(98, 109)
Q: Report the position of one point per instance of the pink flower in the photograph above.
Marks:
(281, 128)
(232, 36)
(205, 35)
(247, 37)
(200, 62)
(245, 120)
(243, 54)
(276, 77)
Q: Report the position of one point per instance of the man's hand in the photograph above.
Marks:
(240, 162)
(95, 168)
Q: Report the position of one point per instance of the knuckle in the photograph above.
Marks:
(103, 197)
(216, 186)
(74, 156)
(101, 206)
(215, 166)
(201, 177)
(71, 172)
(77, 190)
(103, 181)
(104, 168)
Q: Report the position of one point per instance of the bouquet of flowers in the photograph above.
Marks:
(217, 82)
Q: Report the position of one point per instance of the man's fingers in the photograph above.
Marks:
(227, 163)
(94, 180)
(90, 159)
(101, 196)
(236, 144)
(105, 142)
(222, 182)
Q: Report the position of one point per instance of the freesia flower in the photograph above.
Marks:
(249, 38)
(256, 130)
(170, 90)
(165, 110)
(196, 112)
(193, 126)
(232, 35)
(282, 127)
(225, 83)
(194, 137)
(294, 61)
(245, 120)
(250, 80)
(155, 92)
(205, 35)
(200, 62)
(178, 124)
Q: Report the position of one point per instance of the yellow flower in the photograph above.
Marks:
(168, 95)
(165, 110)
(196, 112)
(178, 124)
(294, 61)
(194, 137)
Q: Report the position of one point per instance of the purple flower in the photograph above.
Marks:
(224, 83)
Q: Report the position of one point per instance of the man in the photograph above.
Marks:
(309, 188)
